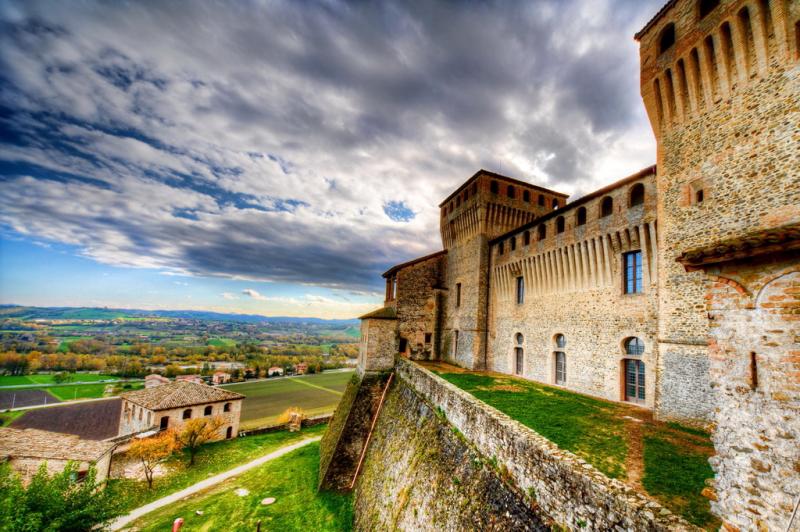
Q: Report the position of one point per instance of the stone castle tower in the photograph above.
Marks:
(721, 84)
(475, 213)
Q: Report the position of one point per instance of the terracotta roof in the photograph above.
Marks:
(178, 394)
(402, 265)
(768, 241)
(655, 19)
(384, 313)
(503, 177)
(34, 443)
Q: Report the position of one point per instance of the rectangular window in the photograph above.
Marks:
(520, 360)
(633, 272)
(458, 294)
(428, 337)
(520, 290)
(455, 343)
(561, 368)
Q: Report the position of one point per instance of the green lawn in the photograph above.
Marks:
(87, 391)
(47, 378)
(213, 458)
(222, 342)
(291, 480)
(7, 417)
(675, 464)
(267, 399)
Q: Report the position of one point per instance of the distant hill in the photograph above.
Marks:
(101, 313)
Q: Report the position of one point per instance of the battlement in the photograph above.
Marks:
(491, 204)
(696, 54)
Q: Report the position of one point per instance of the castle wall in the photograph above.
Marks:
(755, 367)
(486, 206)
(420, 300)
(573, 285)
(378, 345)
(723, 104)
(439, 459)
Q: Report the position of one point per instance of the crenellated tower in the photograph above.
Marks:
(485, 206)
(721, 83)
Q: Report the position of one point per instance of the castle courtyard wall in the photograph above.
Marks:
(573, 286)
(420, 299)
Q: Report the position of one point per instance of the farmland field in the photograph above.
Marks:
(26, 397)
(47, 378)
(266, 400)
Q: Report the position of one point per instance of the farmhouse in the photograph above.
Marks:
(221, 377)
(197, 379)
(274, 371)
(170, 405)
(154, 379)
(27, 449)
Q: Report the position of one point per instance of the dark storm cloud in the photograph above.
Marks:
(299, 141)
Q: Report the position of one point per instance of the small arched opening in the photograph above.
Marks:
(667, 38)
(637, 195)
(606, 207)
(580, 216)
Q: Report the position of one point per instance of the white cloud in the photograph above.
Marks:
(229, 296)
(253, 294)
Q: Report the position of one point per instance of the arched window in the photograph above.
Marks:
(561, 341)
(526, 196)
(501, 248)
(707, 6)
(667, 38)
(187, 414)
(458, 201)
(474, 188)
(526, 237)
(580, 216)
(542, 231)
(541, 200)
(633, 346)
(207, 410)
(511, 192)
(227, 407)
(637, 195)
(560, 224)
(519, 338)
(466, 194)
(561, 367)
(606, 207)
(555, 203)
(494, 187)
(519, 355)
(164, 423)
(513, 243)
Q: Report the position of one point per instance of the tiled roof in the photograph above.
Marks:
(178, 394)
(34, 443)
(763, 242)
(385, 313)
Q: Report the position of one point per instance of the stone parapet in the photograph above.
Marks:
(567, 489)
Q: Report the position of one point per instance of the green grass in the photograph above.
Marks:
(47, 378)
(291, 480)
(675, 470)
(587, 427)
(222, 342)
(675, 457)
(86, 391)
(213, 458)
(7, 417)
(266, 400)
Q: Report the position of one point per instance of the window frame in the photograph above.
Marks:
(560, 366)
(520, 290)
(632, 285)
(458, 295)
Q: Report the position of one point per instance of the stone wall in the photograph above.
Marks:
(573, 285)
(378, 345)
(135, 418)
(27, 467)
(420, 296)
(415, 476)
(755, 368)
(722, 101)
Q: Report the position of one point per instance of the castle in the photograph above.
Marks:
(676, 288)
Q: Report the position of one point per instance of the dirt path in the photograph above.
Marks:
(634, 461)
(125, 520)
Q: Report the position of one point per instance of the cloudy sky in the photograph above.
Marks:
(275, 157)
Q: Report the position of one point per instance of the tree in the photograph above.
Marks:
(152, 452)
(54, 503)
(195, 432)
(61, 377)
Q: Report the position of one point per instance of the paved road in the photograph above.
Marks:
(122, 522)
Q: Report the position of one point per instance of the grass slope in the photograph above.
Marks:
(47, 378)
(266, 400)
(291, 480)
(675, 457)
(213, 458)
